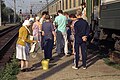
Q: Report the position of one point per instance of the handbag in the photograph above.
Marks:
(30, 37)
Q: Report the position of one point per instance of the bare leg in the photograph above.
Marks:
(80, 53)
(22, 64)
(26, 64)
(73, 51)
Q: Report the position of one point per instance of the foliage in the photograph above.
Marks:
(108, 62)
(2, 12)
(7, 11)
(10, 71)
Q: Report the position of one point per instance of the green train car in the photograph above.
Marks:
(107, 14)
(101, 14)
(110, 16)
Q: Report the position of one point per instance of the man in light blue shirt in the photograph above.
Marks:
(61, 32)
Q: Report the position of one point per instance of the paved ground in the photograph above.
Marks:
(60, 69)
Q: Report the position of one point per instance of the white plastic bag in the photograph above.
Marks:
(32, 48)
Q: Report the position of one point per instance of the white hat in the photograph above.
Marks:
(26, 23)
(37, 18)
(31, 19)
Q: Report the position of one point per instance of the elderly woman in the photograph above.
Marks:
(22, 50)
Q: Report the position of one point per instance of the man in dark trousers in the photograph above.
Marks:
(81, 28)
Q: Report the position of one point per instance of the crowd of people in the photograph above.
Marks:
(68, 33)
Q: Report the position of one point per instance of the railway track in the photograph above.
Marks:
(7, 44)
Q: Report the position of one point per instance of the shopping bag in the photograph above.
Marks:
(32, 48)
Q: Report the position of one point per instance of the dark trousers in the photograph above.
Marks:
(48, 46)
(60, 42)
(83, 51)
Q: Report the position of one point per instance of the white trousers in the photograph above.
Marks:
(65, 42)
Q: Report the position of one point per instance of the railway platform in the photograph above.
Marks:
(7, 25)
(61, 69)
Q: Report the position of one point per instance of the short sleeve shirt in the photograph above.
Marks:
(61, 21)
(48, 27)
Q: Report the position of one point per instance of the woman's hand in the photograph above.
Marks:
(43, 33)
(84, 38)
(35, 41)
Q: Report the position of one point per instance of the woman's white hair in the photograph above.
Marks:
(26, 23)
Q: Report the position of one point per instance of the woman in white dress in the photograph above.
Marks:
(84, 11)
(22, 50)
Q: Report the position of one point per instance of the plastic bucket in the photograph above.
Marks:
(45, 64)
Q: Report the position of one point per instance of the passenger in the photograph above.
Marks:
(48, 37)
(61, 32)
(43, 17)
(81, 28)
(84, 11)
(37, 33)
(68, 31)
(74, 19)
(22, 50)
(31, 20)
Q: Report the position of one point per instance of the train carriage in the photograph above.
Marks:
(105, 12)
(110, 15)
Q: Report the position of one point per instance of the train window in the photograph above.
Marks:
(70, 4)
(74, 3)
(52, 9)
(79, 2)
(66, 4)
(63, 4)
(60, 5)
(56, 7)
(108, 1)
(96, 2)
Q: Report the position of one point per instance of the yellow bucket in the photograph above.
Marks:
(45, 64)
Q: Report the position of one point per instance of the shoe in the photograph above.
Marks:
(51, 59)
(59, 55)
(84, 68)
(23, 70)
(74, 67)
(67, 55)
(27, 69)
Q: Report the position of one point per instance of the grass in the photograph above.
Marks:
(110, 63)
(105, 56)
(10, 70)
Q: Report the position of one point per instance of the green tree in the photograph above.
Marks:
(6, 12)
(2, 8)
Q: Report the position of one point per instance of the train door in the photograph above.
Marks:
(93, 10)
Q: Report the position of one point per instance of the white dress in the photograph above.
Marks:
(83, 14)
(22, 52)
